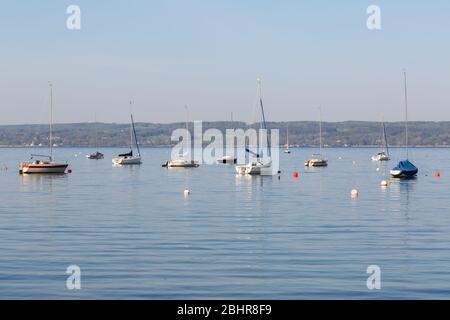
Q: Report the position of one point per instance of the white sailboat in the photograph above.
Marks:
(129, 158)
(286, 147)
(384, 154)
(318, 160)
(183, 160)
(48, 165)
(259, 165)
(228, 159)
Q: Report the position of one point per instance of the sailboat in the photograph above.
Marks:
(128, 158)
(405, 169)
(183, 160)
(95, 155)
(47, 165)
(384, 154)
(228, 159)
(318, 160)
(259, 165)
(286, 147)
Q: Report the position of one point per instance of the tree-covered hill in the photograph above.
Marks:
(304, 133)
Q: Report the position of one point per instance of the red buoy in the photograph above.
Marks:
(295, 174)
(69, 171)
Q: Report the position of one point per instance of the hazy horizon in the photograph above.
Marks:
(208, 55)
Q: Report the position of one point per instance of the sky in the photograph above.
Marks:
(207, 54)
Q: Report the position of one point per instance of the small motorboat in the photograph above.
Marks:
(227, 160)
(404, 169)
(316, 161)
(381, 156)
(95, 155)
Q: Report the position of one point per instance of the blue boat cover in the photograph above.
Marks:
(130, 154)
(406, 167)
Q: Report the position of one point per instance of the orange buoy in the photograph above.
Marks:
(295, 174)
(437, 174)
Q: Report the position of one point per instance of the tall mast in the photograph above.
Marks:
(406, 116)
(51, 121)
(187, 128)
(264, 125)
(131, 128)
(385, 138)
(287, 135)
(320, 130)
(135, 136)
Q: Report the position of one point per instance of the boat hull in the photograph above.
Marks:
(127, 160)
(255, 169)
(404, 170)
(43, 169)
(180, 164)
(316, 163)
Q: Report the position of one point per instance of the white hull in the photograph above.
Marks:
(45, 167)
(126, 160)
(181, 163)
(316, 163)
(380, 157)
(255, 168)
(226, 160)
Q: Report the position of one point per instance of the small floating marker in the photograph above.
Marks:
(69, 171)
(354, 162)
(355, 193)
(437, 174)
(295, 174)
(384, 183)
(186, 192)
(378, 169)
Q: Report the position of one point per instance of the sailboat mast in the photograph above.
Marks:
(320, 130)
(385, 139)
(135, 136)
(131, 129)
(406, 116)
(287, 136)
(263, 117)
(51, 121)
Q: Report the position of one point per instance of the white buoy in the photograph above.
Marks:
(355, 193)
(186, 192)
(384, 183)
(378, 169)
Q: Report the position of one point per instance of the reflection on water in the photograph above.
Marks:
(135, 235)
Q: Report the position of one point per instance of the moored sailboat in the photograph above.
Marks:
(129, 158)
(259, 165)
(47, 165)
(318, 160)
(405, 168)
(286, 147)
(384, 154)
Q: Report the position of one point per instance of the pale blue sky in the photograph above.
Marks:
(208, 54)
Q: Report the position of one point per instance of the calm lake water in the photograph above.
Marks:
(135, 236)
